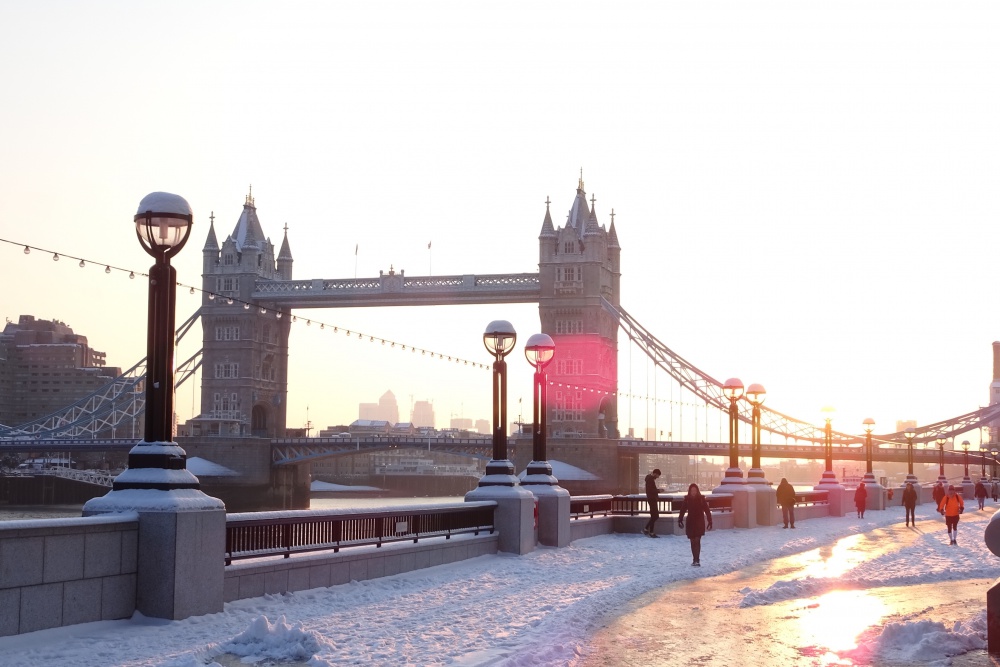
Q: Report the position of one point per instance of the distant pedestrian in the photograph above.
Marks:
(910, 503)
(860, 499)
(938, 493)
(699, 516)
(996, 490)
(951, 506)
(785, 494)
(653, 500)
(981, 494)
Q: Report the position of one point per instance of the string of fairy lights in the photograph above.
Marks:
(83, 262)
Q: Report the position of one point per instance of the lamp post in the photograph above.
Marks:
(829, 477)
(983, 451)
(966, 480)
(733, 390)
(755, 394)
(909, 434)
(941, 442)
(994, 451)
(163, 225)
(869, 479)
(499, 339)
(539, 350)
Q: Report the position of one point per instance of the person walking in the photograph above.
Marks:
(785, 495)
(996, 490)
(951, 506)
(910, 503)
(938, 493)
(653, 500)
(699, 516)
(860, 499)
(981, 493)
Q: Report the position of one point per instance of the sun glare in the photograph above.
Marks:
(835, 620)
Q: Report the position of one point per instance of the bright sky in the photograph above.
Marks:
(805, 192)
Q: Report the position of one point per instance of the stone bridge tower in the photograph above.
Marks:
(244, 387)
(579, 268)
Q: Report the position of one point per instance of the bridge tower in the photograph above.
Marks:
(579, 266)
(244, 387)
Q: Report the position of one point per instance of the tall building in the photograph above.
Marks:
(244, 349)
(385, 410)
(423, 414)
(579, 266)
(45, 367)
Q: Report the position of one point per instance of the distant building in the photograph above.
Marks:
(423, 414)
(45, 367)
(385, 410)
(461, 423)
(483, 426)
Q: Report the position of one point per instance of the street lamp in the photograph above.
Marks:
(163, 225)
(994, 450)
(983, 451)
(499, 339)
(966, 480)
(909, 433)
(733, 390)
(869, 479)
(755, 394)
(539, 350)
(941, 442)
(829, 477)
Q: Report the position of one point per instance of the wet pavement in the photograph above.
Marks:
(700, 622)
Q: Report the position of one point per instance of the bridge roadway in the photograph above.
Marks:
(290, 451)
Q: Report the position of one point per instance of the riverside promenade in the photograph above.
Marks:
(605, 600)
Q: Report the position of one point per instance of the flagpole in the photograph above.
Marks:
(430, 259)
(355, 262)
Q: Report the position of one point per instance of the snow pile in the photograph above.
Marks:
(922, 642)
(276, 641)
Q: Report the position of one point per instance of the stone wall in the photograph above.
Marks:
(58, 572)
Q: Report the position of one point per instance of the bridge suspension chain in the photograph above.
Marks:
(708, 389)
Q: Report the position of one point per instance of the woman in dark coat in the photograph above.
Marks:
(699, 516)
(910, 503)
(861, 499)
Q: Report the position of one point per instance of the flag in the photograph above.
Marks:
(428, 245)
(355, 249)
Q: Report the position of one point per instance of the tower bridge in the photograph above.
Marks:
(250, 298)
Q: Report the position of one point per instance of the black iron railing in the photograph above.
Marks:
(258, 534)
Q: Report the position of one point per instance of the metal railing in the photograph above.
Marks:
(260, 534)
(581, 506)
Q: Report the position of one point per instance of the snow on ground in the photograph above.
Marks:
(524, 611)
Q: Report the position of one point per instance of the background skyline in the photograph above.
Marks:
(805, 193)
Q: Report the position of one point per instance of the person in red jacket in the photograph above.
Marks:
(951, 506)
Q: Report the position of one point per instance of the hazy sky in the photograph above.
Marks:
(805, 192)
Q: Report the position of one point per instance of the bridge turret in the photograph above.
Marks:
(210, 253)
(244, 342)
(285, 259)
(615, 257)
(576, 273)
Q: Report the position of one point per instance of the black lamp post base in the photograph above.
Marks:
(733, 476)
(160, 466)
(499, 472)
(539, 473)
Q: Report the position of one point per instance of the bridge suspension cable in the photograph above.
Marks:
(708, 389)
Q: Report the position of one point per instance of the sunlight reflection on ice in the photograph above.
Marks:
(835, 620)
(834, 561)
